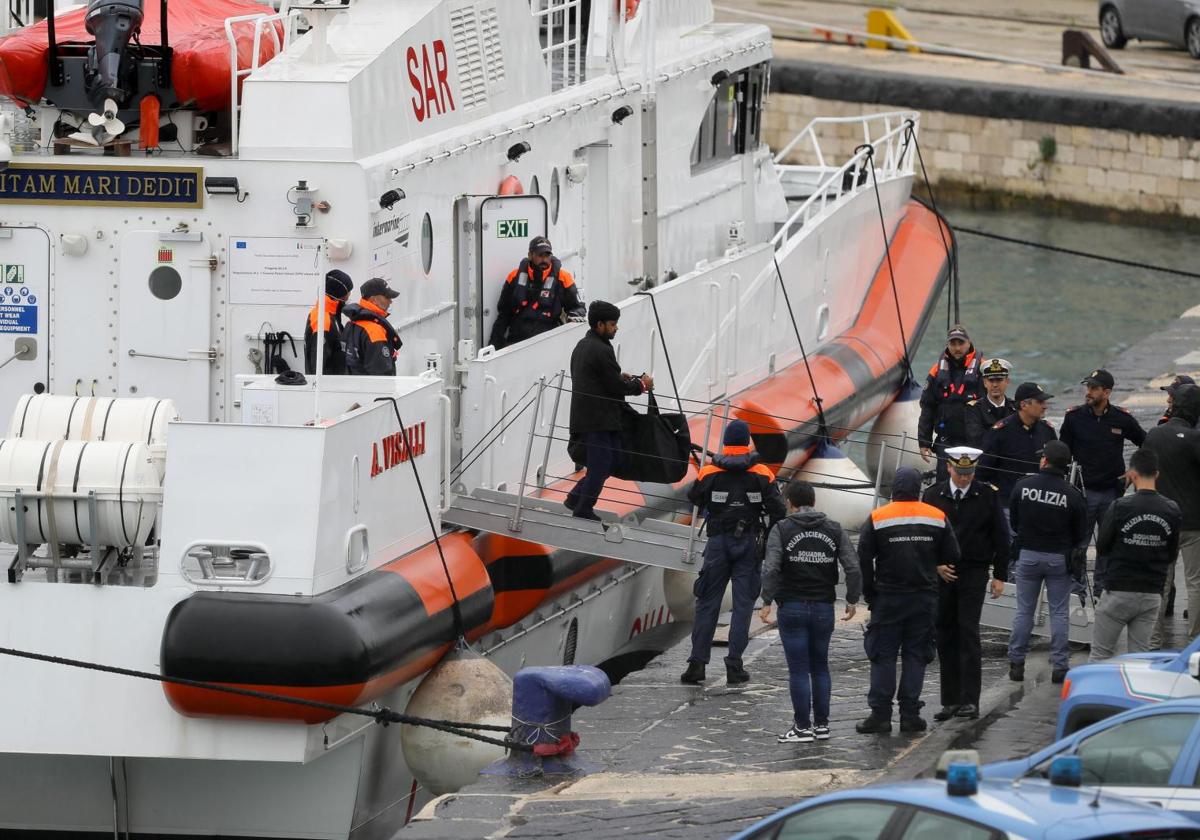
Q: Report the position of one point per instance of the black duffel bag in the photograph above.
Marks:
(657, 445)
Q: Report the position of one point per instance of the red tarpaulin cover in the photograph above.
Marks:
(196, 29)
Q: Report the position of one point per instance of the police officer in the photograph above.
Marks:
(1140, 537)
(973, 508)
(1013, 447)
(952, 383)
(734, 492)
(338, 286)
(993, 406)
(1049, 517)
(900, 547)
(371, 341)
(1096, 432)
(534, 297)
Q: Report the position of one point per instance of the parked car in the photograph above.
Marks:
(981, 810)
(1095, 691)
(1174, 21)
(1151, 753)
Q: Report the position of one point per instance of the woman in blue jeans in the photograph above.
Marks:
(800, 572)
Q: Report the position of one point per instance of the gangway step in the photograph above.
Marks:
(651, 542)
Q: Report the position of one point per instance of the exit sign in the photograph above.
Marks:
(512, 228)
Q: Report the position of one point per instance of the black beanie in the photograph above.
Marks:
(338, 284)
(602, 310)
(737, 433)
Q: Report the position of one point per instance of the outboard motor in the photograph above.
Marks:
(109, 71)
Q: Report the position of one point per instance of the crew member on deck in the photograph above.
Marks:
(973, 508)
(994, 406)
(338, 287)
(535, 296)
(952, 383)
(1096, 432)
(371, 341)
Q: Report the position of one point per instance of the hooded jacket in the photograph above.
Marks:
(803, 552)
(371, 341)
(734, 489)
(902, 543)
(1177, 444)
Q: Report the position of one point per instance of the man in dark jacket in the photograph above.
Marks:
(1013, 447)
(800, 572)
(994, 406)
(1177, 445)
(1096, 432)
(952, 383)
(535, 295)
(733, 492)
(371, 341)
(973, 508)
(338, 286)
(1176, 383)
(598, 392)
(1049, 518)
(1140, 535)
(900, 548)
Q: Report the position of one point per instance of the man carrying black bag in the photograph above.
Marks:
(733, 491)
(598, 392)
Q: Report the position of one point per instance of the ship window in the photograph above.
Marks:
(732, 123)
(426, 243)
(165, 282)
(554, 197)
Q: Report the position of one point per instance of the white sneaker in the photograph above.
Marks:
(821, 733)
(795, 735)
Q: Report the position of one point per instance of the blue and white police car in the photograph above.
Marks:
(1095, 691)
(1151, 753)
(965, 808)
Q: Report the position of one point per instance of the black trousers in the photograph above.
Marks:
(959, 607)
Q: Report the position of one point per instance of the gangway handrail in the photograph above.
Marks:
(810, 132)
(284, 17)
(896, 158)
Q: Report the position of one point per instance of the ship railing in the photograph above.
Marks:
(889, 148)
(271, 24)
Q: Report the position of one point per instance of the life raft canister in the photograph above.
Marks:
(511, 186)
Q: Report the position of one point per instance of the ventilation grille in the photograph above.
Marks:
(467, 53)
(493, 52)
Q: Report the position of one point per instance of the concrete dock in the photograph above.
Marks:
(679, 761)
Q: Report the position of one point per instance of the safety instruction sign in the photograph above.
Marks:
(276, 270)
(18, 311)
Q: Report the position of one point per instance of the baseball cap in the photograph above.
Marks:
(958, 331)
(540, 245)
(1056, 453)
(1099, 377)
(1030, 391)
(1177, 383)
(378, 286)
(963, 458)
(997, 369)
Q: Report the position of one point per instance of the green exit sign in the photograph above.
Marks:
(512, 228)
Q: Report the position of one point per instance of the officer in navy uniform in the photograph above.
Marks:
(734, 492)
(1012, 449)
(993, 406)
(973, 508)
(952, 383)
(1096, 432)
(535, 295)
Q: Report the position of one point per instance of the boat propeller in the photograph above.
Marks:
(104, 126)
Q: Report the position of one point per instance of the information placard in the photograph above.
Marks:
(274, 270)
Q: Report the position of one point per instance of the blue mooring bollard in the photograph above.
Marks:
(543, 699)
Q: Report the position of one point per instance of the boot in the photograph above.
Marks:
(946, 713)
(873, 724)
(1058, 675)
(735, 674)
(913, 723)
(694, 675)
(1016, 671)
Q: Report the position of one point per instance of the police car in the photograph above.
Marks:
(965, 808)
(1095, 691)
(1151, 753)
